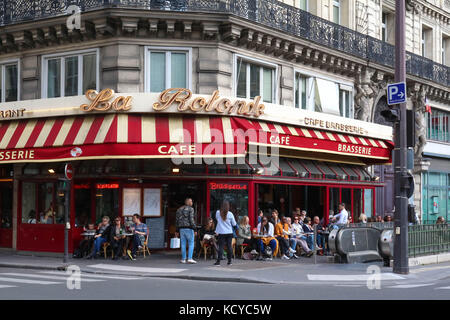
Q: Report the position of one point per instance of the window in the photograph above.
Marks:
(6, 200)
(438, 126)
(337, 11)
(235, 193)
(301, 91)
(435, 196)
(345, 102)
(69, 75)
(384, 26)
(427, 42)
(42, 203)
(321, 95)
(388, 27)
(168, 68)
(445, 50)
(254, 79)
(303, 5)
(9, 81)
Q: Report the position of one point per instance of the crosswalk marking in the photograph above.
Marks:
(99, 276)
(5, 286)
(64, 278)
(443, 288)
(408, 286)
(27, 281)
(355, 277)
(135, 269)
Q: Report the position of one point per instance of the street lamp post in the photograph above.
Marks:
(400, 155)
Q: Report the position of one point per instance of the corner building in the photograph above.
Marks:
(153, 101)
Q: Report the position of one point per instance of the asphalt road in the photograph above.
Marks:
(18, 284)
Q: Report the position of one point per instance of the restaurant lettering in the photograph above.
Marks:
(334, 125)
(227, 186)
(284, 140)
(181, 97)
(354, 149)
(16, 155)
(177, 149)
(100, 101)
(11, 113)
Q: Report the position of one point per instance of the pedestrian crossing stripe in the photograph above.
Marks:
(99, 276)
(27, 281)
(5, 286)
(63, 278)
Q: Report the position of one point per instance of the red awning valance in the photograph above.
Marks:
(166, 136)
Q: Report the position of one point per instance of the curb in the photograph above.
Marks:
(181, 277)
(35, 267)
(425, 260)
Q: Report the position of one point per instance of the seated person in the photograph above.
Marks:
(282, 235)
(309, 232)
(297, 234)
(266, 231)
(140, 233)
(101, 236)
(320, 233)
(244, 234)
(86, 244)
(207, 234)
(117, 238)
(32, 216)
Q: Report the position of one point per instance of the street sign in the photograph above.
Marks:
(396, 93)
(68, 171)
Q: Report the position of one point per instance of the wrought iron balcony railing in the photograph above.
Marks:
(270, 13)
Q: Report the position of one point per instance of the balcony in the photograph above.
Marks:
(269, 13)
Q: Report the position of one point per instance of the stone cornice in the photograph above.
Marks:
(210, 28)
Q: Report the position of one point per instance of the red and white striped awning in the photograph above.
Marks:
(117, 136)
(166, 136)
(307, 139)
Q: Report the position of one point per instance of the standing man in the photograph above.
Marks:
(185, 223)
(342, 217)
(140, 232)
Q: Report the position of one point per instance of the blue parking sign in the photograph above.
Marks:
(396, 93)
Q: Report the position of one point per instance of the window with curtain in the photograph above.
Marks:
(70, 75)
(345, 103)
(167, 69)
(316, 94)
(9, 83)
(301, 92)
(254, 80)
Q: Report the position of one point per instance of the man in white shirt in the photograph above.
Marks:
(342, 216)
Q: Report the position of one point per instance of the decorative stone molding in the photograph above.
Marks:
(418, 98)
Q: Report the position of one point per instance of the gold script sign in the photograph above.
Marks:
(214, 103)
(100, 101)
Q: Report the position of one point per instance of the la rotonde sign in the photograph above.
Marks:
(181, 100)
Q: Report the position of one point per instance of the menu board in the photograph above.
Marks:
(131, 201)
(156, 238)
(152, 202)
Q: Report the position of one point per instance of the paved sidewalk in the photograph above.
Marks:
(167, 264)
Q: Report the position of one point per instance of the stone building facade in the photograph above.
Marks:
(295, 55)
